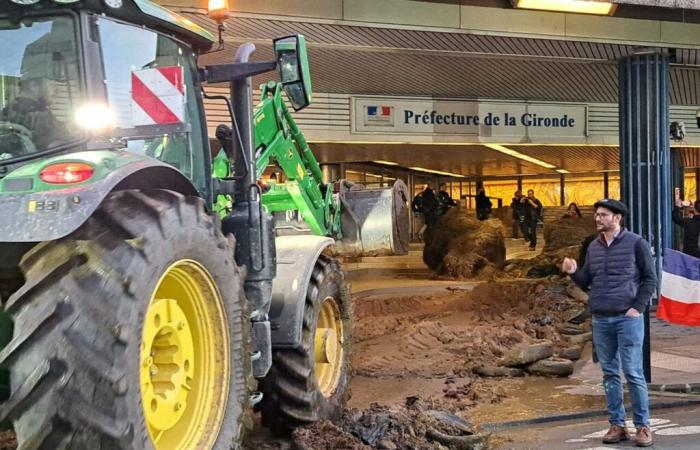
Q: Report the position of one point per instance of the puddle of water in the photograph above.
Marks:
(391, 391)
(535, 397)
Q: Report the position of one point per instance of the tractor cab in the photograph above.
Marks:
(133, 325)
(92, 75)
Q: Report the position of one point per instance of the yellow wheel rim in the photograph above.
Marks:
(185, 361)
(328, 346)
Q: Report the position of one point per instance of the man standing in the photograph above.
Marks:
(518, 211)
(691, 228)
(621, 276)
(431, 206)
(533, 210)
(445, 199)
(483, 205)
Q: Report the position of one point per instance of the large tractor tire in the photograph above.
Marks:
(310, 382)
(131, 333)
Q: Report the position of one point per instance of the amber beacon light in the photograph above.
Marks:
(219, 10)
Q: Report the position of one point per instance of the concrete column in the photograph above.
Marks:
(411, 184)
(331, 172)
(606, 184)
(562, 199)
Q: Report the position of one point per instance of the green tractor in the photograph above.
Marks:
(154, 293)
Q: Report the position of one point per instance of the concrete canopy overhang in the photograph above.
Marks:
(559, 61)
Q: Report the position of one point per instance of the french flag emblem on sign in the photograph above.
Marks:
(680, 289)
(383, 114)
(158, 96)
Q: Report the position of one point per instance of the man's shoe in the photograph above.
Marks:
(615, 434)
(643, 437)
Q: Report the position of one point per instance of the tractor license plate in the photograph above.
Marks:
(42, 206)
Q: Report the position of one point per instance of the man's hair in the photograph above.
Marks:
(443, 184)
(696, 205)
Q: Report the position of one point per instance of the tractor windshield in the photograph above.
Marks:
(39, 84)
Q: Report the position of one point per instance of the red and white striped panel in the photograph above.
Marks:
(158, 96)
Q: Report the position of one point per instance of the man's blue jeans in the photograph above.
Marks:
(618, 342)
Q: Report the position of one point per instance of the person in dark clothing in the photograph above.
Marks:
(431, 206)
(417, 203)
(581, 261)
(533, 210)
(518, 210)
(622, 278)
(483, 205)
(417, 208)
(31, 110)
(691, 228)
(445, 199)
(572, 212)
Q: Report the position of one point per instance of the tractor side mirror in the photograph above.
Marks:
(293, 65)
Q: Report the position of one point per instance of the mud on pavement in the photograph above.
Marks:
(450, 333)
(415, 357)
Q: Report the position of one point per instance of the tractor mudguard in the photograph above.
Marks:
(45, 215)
(296, 257)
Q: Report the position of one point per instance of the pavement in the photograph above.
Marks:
(672, 428)
(675, 366)
(675, 359)
(675, 349)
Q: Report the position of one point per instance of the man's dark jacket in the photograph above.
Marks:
(431, 205)
(532, 213)
(691, 232)
(620, 276)
(517, 207)
(445, 201)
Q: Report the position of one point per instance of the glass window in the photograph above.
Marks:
(500, 189)
(128, 50)
(583, 190)
(40, 84)
(690, 185)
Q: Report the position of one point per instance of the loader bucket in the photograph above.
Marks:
(374, 221)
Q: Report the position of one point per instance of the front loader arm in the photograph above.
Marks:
(279, 140)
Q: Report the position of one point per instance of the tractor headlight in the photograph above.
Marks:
(95, 117)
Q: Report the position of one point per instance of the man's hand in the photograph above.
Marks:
(569, 266)
(679, 203)
(632, 313)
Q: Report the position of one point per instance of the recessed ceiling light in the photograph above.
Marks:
(573, 6)
(437, 172)
(517, 154)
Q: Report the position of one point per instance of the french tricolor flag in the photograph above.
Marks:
(680, 289)
(379, 112)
